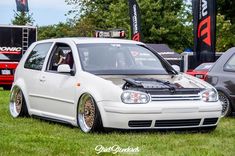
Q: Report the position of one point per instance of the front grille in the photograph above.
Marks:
(210, 121)
(177, 123)
(175, 97)
(176, 91)
(140, 123)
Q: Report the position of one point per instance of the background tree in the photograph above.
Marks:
(227, 9)
(56, 31)
(225, 25)
(166, 22)
(162, 21)
(22, 18)
(225, 34)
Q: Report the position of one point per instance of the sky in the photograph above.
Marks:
(45, 12)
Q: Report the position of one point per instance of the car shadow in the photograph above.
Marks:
(131, 131)
(162, 131)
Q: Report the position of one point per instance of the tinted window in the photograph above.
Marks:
(230, 65)
(120, 59)
(37, 56)
(204, 66)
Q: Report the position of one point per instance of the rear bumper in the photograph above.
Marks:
(6, 80)
(160, 115)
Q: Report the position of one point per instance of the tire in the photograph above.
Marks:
(7, 87)
(226, 104)
(88, 115)
(18, 107)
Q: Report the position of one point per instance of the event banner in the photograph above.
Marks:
(22, 5)
(135, 20)
(204, 21)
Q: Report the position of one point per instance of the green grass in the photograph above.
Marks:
(29, 136)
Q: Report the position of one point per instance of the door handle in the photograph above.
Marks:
(42, 79)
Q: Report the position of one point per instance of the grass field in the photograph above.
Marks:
(28, 136)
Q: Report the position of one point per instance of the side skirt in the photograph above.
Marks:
(51, 119)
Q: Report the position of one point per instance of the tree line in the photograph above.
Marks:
(162, 21)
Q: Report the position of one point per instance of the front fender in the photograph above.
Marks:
(227, 93)
(99, 88)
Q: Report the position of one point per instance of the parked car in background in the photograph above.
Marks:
(14, 41)
(112, 83)
(201, 71)
(222, 77)
(6, 72)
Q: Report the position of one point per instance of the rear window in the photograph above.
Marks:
(204, 66)
(230, 65)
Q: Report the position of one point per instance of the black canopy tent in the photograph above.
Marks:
(166, 52)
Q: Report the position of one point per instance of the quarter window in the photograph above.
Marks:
(230, 65)
(37, 56)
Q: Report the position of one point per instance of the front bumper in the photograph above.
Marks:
(160, 114)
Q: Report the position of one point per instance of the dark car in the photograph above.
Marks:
(222, 77)
(201, 71)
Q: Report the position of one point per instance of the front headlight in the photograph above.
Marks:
(209, 95)
(134, 97)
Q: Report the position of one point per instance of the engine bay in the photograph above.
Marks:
(157, 87)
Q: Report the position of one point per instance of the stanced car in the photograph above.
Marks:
(222, 77)
(201, 71)
(99, 83)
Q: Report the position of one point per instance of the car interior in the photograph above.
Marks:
(61, 54)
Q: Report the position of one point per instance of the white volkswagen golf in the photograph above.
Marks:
(109, 83)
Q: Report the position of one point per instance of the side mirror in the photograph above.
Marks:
(177, 68)
(63, 68)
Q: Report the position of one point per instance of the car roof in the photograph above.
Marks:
(87, 40)
(231, 49)
(227, 54)
(207, 63)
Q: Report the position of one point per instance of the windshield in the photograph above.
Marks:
(109, 58)
(204, 66)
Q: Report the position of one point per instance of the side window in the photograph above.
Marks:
(62, 54)
(37, 56)
(230, 65)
